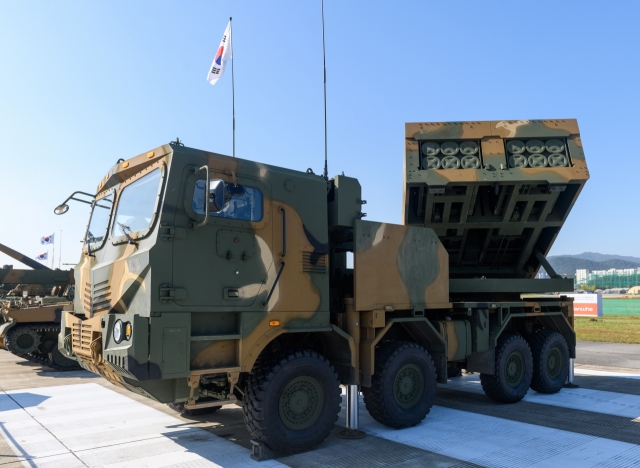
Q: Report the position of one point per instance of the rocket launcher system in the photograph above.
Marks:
(496, 193)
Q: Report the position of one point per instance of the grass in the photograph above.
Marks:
(610, 328)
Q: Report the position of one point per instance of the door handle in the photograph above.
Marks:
(284, 232)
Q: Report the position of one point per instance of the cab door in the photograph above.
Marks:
(224, 262)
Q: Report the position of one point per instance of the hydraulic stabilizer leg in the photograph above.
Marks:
(570, 377)
(351, 414)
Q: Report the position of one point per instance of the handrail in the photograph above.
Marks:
(274, 285)
(284, 232)
(206, 197)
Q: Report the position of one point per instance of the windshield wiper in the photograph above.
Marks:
(124, 230)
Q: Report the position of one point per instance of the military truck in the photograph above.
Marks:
(30, 313)
(207, 280)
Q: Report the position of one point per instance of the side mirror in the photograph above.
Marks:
(61, 209)
(216, 195)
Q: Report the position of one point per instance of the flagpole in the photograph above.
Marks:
(324, 72)
(53, 257)
(60, 254)
(233, 92)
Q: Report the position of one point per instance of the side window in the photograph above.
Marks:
(240, 202)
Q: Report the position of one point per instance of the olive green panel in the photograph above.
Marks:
(170, 345)
(344, 201)
(510, 285)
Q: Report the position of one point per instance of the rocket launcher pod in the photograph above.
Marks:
(495, 192)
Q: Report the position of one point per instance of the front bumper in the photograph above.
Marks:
(91, 343)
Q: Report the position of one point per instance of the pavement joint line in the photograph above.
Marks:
(150, 438)
(46, 429)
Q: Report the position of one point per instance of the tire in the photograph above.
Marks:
(513, 371)
(453, 372)
(403, 385)
(292, 401)
(180, 409)
(550, 361)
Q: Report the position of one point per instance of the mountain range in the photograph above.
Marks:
(568, 264)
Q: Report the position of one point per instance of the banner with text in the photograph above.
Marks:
(587, 304)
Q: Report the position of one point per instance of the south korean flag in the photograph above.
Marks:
(43, 256)
(223, 54)
(47, 239)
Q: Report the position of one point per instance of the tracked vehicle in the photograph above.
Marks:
(209, 280)
(30, 313)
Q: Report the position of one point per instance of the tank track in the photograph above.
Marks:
(37, 357)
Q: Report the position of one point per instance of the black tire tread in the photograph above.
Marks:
(538, 343)
(491, 383)
(373, 398)
(257, 386)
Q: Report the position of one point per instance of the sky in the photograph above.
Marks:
(86, 83)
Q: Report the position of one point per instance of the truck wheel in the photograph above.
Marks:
(403, 385)
(180, 409)
(550, 361)
(292, 401)
(514, 368)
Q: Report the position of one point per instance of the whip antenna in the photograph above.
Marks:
(324, 72)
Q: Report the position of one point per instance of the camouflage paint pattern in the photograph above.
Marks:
(174, 284)
(411, 268)
(206, 296)
(492, 219)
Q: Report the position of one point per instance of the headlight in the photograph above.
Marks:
(117, 331)
(128, 331)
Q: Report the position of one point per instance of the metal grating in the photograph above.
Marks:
(86, 298)
(81, 337)
(314, 263)
(101, 298)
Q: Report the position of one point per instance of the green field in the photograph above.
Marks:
(610, 328)
(621, 306)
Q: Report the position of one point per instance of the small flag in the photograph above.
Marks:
(224, 53)
(43, 256)
(47, 239)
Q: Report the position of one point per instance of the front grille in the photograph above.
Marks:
(96, 299)
(101, 298)
(314, 263)
(86, 298)
(81, 337)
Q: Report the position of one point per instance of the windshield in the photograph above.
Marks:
(137, 205)
(99, 221)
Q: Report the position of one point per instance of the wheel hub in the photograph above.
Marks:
(24, 340)
(408, 386)
(301, 403)
(514, 369)
(554, 363)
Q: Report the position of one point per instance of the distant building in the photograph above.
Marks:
(608, 279)
(542, 274)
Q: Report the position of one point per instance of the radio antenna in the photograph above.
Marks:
(324, 72)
